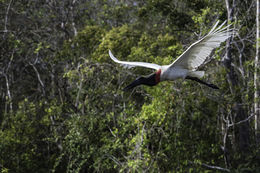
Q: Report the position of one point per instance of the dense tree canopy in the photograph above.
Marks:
(62, 108)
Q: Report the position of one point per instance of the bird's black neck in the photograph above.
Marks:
(149, 81)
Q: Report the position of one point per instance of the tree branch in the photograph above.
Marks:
(6, 16)
(8, 92)
(81, 77)
(242, 121)
(210, 166)
(39, 78)
(215, 167)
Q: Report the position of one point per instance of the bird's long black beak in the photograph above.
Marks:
(137, 82)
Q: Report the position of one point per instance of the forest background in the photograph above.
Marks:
(62, 108)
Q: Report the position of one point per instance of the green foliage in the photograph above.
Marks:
(121, 38)
(83, 45)
(62, 104)
(24, 143)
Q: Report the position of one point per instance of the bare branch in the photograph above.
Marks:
(242, 121)
(81, 77)
(8, 91)
(240, 69)
(210, 166)
(114, 159)
(111, 131)
(39, 77)
(7, 82)
(215, 167)
(6, 16)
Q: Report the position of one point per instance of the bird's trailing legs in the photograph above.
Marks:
(202, 82)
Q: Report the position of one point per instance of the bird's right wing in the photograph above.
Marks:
(197, 53)
(133, 64)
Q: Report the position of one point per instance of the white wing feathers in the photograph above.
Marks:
(133, 64)
(197, 53)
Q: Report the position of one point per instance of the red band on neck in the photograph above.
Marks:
(157, 76)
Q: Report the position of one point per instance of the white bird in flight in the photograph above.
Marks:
(185, 66)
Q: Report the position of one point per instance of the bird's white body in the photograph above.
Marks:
(189, 61)
(178, 72)
(172, 73)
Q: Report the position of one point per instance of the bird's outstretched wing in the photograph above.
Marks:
(197, 53)
(133, 64)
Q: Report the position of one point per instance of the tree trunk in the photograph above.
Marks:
(242, 130)
(256, 94)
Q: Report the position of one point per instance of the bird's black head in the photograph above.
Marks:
(151, 80)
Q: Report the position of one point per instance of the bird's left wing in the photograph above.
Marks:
(133, 64)
(197, 53)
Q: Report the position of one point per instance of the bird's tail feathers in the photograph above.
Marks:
(198, 74)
